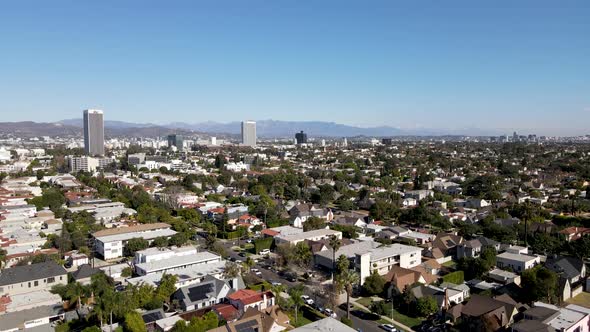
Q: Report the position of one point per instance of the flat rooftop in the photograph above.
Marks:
(184, 274)
(128, 236)
(307, 235)
(177, 261)
(131, 229)
(516, 257)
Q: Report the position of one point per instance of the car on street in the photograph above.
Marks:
(275, 283)
(329, 312)
(388, 327)
(307, 299)
(264, 252)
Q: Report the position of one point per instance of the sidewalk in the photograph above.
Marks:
(394, 322)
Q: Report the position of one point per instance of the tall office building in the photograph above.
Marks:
(249, 133)
(93, 132)
(301, 137)
(175, 140)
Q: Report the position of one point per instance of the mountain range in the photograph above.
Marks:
(264, 128)
(277, 128)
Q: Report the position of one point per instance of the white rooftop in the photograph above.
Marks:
(307, 235)
(128, 236)
(184, 275)
(177, 261)
(516, 257)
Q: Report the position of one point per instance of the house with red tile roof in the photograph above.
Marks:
(247, 298)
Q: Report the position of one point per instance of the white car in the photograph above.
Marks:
(264, 252)
(330, 313)
(307, 299)
(388, 327)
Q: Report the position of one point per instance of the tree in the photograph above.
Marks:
(219, 161)
(231, 270)
(313, 223)
(346, 282)
(296, 300)
(2, 258)
(335, 243)
(249, 263)
(302, 254)
(190, 215)
(135, 244)
(342, 264)
(426, 306)
(374, 284)
(541, 284)
(166, 287)
(134, 322)
(127, 272)
(160, 242)
(178, 239)
(408, 297)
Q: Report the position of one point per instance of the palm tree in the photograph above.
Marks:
(249, 263)
(335, 244)
(277, 289)
(345, 281)
(295, 294)
(76, 292)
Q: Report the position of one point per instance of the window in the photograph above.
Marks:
(50, 280)
(36, 283)
(29, 284)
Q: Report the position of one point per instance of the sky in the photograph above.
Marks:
(503, 65)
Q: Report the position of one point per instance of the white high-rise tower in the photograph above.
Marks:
(249, 133)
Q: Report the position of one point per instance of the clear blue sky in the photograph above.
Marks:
(438, 64)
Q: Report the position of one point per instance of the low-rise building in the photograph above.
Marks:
(30, 278)
(110, 243)
(315, 235)
(517, 262)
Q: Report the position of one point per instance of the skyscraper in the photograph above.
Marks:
(301, 137)
(175, 140)
(249, 133)
(93, 132)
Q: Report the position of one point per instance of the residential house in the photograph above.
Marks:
(483, 313)
(571, 272)
(204, 294)
(517, 262)
(473, 248)
(245, 299)
(30, 278)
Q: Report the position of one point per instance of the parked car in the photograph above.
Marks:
(264, 252)
(329, 312)
(275, 283)
(388, 327)
(307, 299)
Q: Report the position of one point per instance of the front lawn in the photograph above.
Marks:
(366, 301)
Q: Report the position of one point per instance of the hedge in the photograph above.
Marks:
(456, 277)
(264, 243)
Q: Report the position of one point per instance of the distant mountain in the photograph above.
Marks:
(109, 124)
(34, 129)
(264, 128)
(274, 128)
(74, 128)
